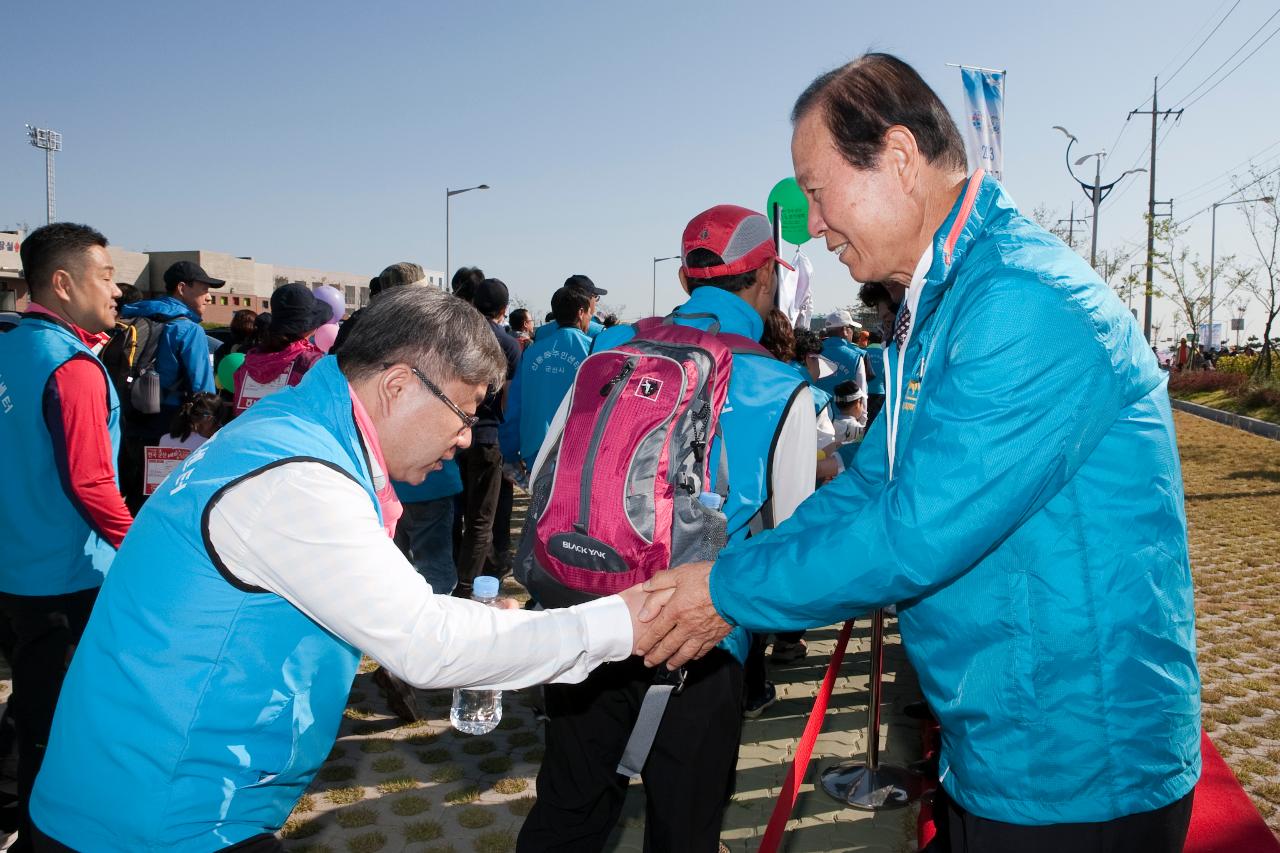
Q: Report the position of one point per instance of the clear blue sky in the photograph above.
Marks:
(324, 134)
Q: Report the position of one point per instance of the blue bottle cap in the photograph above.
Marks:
(710, 500)
(485, 587)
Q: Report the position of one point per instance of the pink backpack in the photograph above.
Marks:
(625, 490)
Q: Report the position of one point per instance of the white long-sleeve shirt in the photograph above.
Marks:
(311, 535)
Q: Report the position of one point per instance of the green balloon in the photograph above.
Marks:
(227, 370)
(794, 208)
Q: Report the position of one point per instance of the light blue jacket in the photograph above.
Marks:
(546, 375)
(875, 369)
(846, 357)
(541, 333)
(444, 483)
(183, 358)
(198, 708)
(1033, 535)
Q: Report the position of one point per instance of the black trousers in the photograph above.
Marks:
(46, 629)
(875, 402)
(688, 777)
(1161, 831)
(499, 562)
(481, 469)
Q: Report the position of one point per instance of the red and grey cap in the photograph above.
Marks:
(741, 237)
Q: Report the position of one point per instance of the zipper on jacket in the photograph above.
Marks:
(613, 390)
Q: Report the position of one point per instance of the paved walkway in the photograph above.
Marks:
(1232, 483)
(424, 787)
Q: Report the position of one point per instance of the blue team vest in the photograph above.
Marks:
(49, 546)
(846, 357)
(198, 709)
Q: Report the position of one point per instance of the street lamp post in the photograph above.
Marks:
(1213, 235)
(654, 307)
(1097, 191)
(448, 194)
(49, 141)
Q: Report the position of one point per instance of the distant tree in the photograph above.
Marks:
(1189, 278)
(1264, 229)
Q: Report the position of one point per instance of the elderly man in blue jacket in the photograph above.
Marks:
(1034, 535)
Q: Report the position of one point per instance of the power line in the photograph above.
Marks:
(1168, 130)
(1241, 62)
(1239, 190)
(1125, 124)
(1196, 189)
(1232, 55)
(1202, 44)
(1218, 186)
(1174, 57)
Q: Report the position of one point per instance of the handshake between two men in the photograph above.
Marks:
(672, 616)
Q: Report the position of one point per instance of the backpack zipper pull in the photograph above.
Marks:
(621, 377)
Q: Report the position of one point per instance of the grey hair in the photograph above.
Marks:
(441, 335)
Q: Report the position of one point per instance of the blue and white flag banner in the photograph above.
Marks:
(984, 118)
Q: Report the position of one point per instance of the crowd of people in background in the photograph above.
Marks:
(334, 490)
(175, 384)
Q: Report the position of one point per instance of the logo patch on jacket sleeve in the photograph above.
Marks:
(648, 387)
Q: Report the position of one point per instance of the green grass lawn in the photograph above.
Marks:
(1228, 402)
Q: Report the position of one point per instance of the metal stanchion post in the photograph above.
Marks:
(871, 785)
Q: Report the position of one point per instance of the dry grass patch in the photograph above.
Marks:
(356, 818)
(301, 828)
(495, 764)
(423, 830)
(475, 817)
(434, 756)
(522, 806)
(396, 785)
(345, 796)
(448, 773)
(511, 786)
(369, 842)
(462, 796)
(497, 841)
(409, 806)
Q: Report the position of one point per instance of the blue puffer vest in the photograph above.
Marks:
(198, 709)
(49, 546)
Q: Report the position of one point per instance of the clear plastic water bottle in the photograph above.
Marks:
(478, 712)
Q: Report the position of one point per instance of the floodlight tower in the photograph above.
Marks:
(50, 141)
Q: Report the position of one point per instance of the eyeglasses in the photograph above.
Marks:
(468, 421)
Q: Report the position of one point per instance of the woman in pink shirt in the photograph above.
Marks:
(286, 354)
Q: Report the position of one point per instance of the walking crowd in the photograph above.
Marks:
(202, 538)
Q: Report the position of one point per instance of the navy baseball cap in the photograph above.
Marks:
(190, 273)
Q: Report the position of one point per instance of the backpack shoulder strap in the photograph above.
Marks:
(743, 344)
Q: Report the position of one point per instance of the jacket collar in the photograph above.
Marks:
(951, 243)
(735, 315)
(165, 306)
(37, 311)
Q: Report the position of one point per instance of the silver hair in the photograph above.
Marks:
(436, 332)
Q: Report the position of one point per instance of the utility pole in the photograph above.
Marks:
(1071, 226)
(1151, 198)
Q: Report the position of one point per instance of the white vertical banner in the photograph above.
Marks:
(984, 114)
